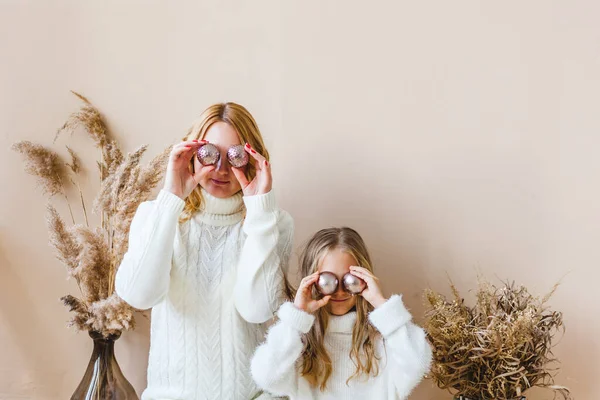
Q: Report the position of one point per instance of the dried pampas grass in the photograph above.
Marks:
(496, 349)
(45, 165)
(75, 165)
(110, 316)
(63, 240)
(90, 119)
(92, 255)
(146, 178)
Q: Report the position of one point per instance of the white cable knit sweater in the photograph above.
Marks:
(211, 282)
(404, 354)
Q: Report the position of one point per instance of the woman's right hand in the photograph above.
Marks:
(179, 180)
(304, 300)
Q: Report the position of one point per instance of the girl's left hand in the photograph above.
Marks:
(372, 293)
(262, 182)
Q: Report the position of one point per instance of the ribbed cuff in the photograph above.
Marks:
(260, 203)
(297, 319)
(390, 316)
(170, 202)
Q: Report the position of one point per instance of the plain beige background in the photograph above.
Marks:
(457, 137)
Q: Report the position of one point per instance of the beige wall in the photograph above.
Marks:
(457, 137)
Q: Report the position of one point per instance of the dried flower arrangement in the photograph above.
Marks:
(92, 255)
(497, 349)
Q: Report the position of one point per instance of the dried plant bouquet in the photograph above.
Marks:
(93, 254)
(497, 349)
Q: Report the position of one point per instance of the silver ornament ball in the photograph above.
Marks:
(237, 156)
(353, 284)
(208, 154)
(327, 283)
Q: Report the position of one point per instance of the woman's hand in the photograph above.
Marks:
(262, 182)
(179, 180)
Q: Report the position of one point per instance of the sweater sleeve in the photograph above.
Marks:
(273, 366)
(263, 260)
(143, 277)
(408, 353)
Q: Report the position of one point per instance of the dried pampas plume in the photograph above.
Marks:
(75, 165)
(94, 263)
(497, 349)
(111, 316)
(63, 240)
(89, 118)
(45, 165)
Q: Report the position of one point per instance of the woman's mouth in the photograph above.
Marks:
(218, 182)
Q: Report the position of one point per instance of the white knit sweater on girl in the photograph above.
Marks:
(212, 282)
(403, 351)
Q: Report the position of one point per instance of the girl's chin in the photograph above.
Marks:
(338, 310)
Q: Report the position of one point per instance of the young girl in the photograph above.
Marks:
(207, 256)
(341, 346)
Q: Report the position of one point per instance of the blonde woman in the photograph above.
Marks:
(341, 346)
(208, 256)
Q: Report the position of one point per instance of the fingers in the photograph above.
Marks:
(241, 177)
(303, 298)
(323, 301)
(266, 169)
(363, 271)
(179, 150)
(309, 277)
(308, 281)
(263, 178)
(190, 143)
(186, 147)
(260, 161)
(363, 274)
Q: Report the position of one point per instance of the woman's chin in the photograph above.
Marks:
(221, 191)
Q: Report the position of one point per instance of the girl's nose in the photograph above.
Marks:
(339, 291)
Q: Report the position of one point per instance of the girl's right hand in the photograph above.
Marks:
(304, 300)
(179, 180)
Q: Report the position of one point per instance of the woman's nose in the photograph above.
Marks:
(221, 165)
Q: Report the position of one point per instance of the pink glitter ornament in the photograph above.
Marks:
(208, 154)
(237, 156)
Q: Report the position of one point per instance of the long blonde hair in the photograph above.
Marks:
(247, 129)
(316, 362)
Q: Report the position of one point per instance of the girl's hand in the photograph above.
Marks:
(179, 180)
(262, 182)
(372, 293)
(304, 300)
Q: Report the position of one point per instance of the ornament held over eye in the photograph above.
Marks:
(353, 284)
(327, 283)
(237, 156)
(208, 154)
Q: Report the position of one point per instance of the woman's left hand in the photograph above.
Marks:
(262, 182)
(372, 293)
